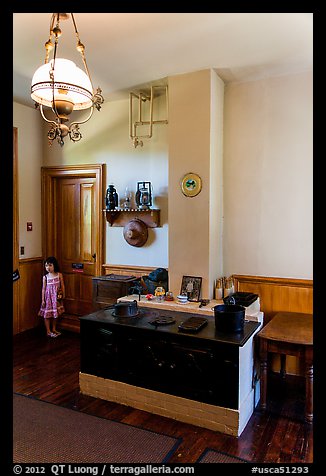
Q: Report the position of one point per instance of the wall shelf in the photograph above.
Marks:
(120, 216)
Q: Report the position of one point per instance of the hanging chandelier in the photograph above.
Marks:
(59, 85)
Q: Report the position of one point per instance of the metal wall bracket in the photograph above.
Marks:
(141, 98)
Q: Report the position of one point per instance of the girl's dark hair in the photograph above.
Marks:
(52, 260)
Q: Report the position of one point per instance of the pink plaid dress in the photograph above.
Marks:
(53, 307)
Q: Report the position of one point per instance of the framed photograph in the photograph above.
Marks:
(191, 185)
(191, 286)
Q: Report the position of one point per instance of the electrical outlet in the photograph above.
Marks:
(22, 250)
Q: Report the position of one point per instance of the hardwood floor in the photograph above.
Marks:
(47, 369)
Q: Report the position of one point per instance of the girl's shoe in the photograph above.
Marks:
(51, 334)
(56, 333)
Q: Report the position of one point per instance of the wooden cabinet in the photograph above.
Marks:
(107, 289)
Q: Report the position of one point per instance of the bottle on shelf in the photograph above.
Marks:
(127, 201)
(219, 289)
(111, 198)
(229, 287)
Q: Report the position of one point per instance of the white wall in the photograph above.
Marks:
(106, 140)
(30, 140)
(268, 177)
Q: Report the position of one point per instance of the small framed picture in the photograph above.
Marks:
(191, 286)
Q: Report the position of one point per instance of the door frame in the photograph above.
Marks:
(16, 284)
(48, 190)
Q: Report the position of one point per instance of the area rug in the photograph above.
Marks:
(47, 433)
(213, 456)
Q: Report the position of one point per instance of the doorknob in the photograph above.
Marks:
(94, 256)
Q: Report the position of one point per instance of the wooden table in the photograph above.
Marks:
(288, 333)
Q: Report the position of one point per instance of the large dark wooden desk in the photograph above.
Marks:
(288, 333)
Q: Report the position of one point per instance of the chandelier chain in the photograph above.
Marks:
(81, 49)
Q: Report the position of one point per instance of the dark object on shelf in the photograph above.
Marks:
(193, 324)
(203, 302)
(107, 289)
(143, 195)
(162, 321)
(229, 317)
(111, 198)
(241, 298)
(159, 274)
(125, 309)
(158, 277)
(135, 232)
(137, 289)
(229, 299)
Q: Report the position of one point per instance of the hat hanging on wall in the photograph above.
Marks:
(135, 232)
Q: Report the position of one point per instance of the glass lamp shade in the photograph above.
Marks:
(68, 79)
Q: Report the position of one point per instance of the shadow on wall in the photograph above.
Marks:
(161, 202)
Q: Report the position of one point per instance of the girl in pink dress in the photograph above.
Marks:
(52, 301)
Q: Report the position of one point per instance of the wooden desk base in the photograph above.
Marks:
(300, 347)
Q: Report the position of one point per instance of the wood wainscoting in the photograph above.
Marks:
(30, 290)
(279, 294)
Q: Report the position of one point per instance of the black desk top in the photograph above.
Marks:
(145, 315)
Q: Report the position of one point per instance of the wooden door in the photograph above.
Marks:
(76, 240)
(73, 224)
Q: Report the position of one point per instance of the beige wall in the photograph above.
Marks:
(268, 189)
(195, 105)
(267, 163)
(30, 140)
(216, 181)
